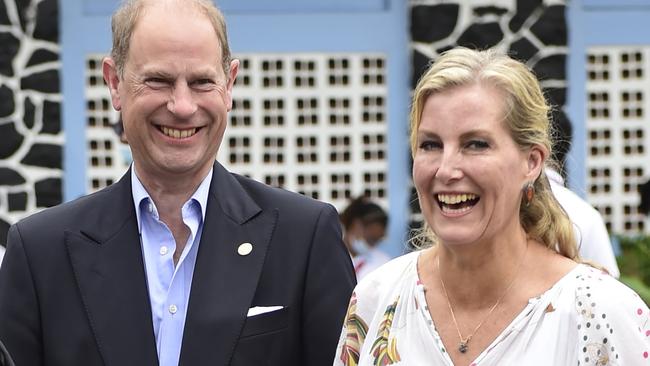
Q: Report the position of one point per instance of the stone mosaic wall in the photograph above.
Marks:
(31, 140)
(533, 31)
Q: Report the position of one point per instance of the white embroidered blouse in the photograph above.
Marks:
(596, 321)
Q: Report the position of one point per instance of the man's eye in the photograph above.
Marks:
(156, 82)
(203, 83)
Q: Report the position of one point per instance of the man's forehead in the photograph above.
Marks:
(171, 10)
(168, 70)
(156, 13)
(170, 4)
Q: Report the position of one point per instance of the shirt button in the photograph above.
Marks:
(163, 250)
(173, 309)
(150, 207)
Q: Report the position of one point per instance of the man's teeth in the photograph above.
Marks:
(451, 199)
(178, 134)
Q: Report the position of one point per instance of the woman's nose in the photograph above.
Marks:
(449, 168)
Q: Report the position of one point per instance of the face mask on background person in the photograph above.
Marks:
(360, 246)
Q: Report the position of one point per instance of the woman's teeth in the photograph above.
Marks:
(452, 199)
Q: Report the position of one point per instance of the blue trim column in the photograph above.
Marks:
(399, 97)
(576, 101)
(73, 108)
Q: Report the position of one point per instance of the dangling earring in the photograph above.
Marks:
(529, 193)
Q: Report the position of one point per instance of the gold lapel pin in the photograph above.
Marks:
(245, 249)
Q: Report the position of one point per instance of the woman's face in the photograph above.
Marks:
(467, 169)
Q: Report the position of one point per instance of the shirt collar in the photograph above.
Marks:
(139, 193)
(554, 176)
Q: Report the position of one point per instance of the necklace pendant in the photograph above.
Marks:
(462, 347)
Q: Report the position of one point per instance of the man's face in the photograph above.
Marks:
(174, 95)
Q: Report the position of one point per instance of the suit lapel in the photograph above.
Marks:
(224, 280)
(107, 261)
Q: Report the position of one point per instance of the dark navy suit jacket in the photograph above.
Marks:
(5, 359)
(73, 289)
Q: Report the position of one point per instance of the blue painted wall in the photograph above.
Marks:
(102, 7)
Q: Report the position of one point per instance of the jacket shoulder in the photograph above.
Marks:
(63, 211)
(105, 209)
(275, 197)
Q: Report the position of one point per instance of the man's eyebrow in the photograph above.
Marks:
(157, 73)
(203, 73)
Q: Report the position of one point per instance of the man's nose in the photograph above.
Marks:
(181, 102)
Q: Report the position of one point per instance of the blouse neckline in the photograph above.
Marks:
(526, 312)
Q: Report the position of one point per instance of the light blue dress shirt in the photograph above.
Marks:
(169, 285)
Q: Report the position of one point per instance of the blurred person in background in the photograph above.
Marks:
(590, 231)
(364, 227)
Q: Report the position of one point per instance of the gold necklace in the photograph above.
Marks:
(464, 342)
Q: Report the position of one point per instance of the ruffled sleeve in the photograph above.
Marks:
(613, 322)
(361, 309)
(371, 312)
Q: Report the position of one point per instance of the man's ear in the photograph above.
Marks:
(536, 157)
(232, 75)
(112, 79)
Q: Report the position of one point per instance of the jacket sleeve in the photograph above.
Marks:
(329, 282)
(20, 324)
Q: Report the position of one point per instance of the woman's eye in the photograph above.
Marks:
(430, 145)
(478, 145)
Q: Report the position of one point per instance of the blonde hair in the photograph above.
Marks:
(126, 17)
(527, 120)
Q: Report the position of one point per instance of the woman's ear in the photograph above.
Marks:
(536, 158)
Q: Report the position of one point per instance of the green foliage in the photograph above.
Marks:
(634, 263)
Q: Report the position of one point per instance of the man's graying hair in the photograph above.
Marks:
(126, 16)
